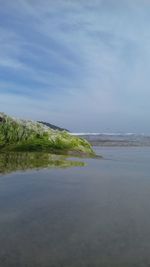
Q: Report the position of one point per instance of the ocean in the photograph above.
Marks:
(76, 212)
(116, 139)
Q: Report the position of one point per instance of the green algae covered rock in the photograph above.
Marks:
(23, 135)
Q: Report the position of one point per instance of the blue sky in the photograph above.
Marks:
(81, 64)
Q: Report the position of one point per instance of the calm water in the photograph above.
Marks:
(83, 216)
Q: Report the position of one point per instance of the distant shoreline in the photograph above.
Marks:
(116, 139)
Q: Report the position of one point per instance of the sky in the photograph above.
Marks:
(79, 64)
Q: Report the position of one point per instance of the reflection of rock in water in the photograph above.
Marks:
(10, 162)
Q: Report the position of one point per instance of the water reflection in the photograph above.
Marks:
(98, 216)
(21, 161)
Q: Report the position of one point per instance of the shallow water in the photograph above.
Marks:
(92, 216)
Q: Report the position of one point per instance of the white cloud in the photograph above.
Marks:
(88, 58)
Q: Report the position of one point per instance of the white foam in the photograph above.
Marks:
(108, 134)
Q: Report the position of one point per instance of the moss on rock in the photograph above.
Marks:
(22, 135)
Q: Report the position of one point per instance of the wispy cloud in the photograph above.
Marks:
(67, 61)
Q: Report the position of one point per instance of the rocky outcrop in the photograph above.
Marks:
(52, 126)
(27, 135)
